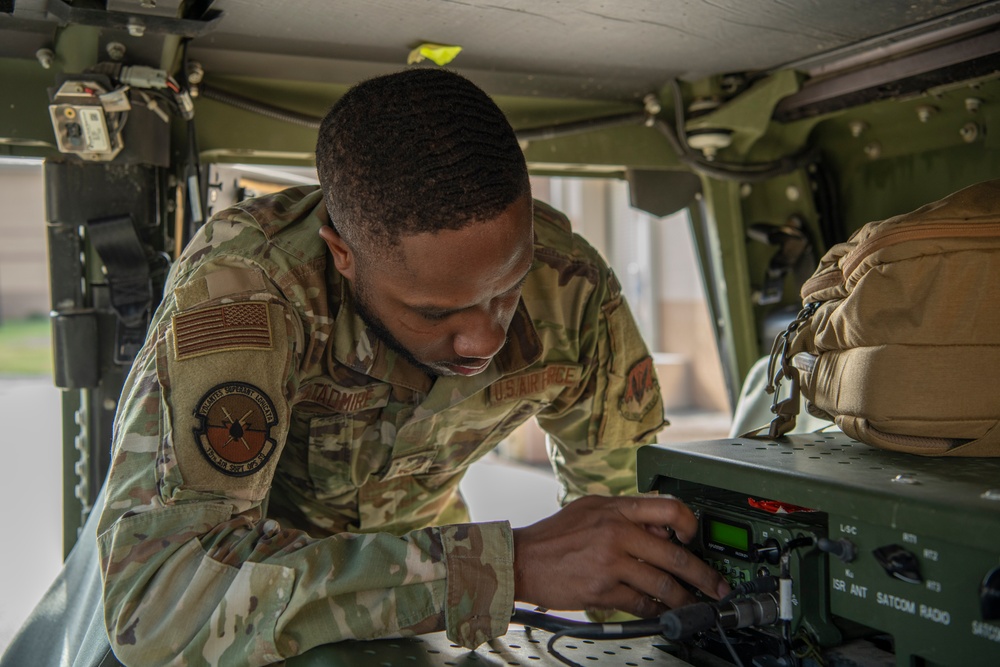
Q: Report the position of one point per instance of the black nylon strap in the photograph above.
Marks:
(126, 265)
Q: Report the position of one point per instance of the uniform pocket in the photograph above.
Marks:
(468, 444)
(345, 450)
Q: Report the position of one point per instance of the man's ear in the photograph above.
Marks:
(343, 257)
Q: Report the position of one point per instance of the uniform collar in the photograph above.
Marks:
(358, 348)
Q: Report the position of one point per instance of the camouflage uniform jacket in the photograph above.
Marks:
(280, 479)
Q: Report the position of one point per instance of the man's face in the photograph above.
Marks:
(446, 299)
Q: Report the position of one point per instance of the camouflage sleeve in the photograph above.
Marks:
(594, 432)
(194, 571)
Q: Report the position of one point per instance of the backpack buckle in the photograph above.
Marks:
(780, 367)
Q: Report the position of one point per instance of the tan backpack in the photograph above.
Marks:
(899, 339)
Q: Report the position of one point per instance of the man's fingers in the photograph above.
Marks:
(626, 599)
(612, 553)
(663, 532)
(677, 561)
(658, 585)
(655, 511)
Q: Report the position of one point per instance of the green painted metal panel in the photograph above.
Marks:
(943, 513)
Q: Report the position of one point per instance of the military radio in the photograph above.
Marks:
(845, 554)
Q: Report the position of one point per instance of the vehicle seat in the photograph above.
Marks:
(66, 628)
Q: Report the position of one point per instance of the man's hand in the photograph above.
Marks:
(612, 553)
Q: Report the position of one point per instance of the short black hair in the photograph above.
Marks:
(416, 151)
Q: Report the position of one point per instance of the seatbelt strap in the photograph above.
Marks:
(127, 271)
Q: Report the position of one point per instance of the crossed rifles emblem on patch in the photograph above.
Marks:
(236, 428)
(218, 431)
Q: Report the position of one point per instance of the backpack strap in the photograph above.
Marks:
(781, 367)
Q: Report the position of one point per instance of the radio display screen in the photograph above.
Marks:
(726, 537)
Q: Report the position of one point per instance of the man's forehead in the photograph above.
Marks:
(503, 240)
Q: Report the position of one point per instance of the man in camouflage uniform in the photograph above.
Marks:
(291, 438)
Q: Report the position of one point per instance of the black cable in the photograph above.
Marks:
(163, 100)
(585, 630)
(598, 631)
(680, 122)
(768, 584)
(797, 543)
(196, 199)
(543, 621)
(731, 171)
(528, 134)
(551, 648)
(261, 108)
(586, 125)
(726, 171)
(565, 627)
(843, 549)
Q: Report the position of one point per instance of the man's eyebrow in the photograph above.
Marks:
(437, 311)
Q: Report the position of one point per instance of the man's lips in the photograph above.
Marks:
(469, 369)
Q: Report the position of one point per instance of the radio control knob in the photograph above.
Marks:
(989, 595)
(770, 551)
(899, 563)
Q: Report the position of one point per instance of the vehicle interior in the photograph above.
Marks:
(780, 128)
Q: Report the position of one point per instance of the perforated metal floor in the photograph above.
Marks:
(520, 647)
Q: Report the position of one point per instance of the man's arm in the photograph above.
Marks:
(601, 553)
(595, 428)
(194, 570)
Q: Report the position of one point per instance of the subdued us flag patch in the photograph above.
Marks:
(234, 326)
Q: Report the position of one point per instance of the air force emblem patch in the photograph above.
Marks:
(234, 430)
(640, 391)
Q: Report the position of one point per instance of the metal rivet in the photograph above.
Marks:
(746, 190)
(905, 478)
(651, 104)
(857, 128)
(873, 150)
(136, 28)
(925, 112)
(116, 50)
(792, 193)
(45, 57)
(195, 72)
(972, 104)
(969, 132)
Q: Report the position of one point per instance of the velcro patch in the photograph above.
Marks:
(234, 429)
(535, 382)
(234, 326)
(345, 399)
(640, 391)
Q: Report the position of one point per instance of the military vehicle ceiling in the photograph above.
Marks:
(577, 48)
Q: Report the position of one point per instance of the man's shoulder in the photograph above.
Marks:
(554, 234)
(279, 214)
(557, 247)
(253, 229)
(548, 216)
(265, 243)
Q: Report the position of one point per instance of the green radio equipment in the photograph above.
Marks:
(845, 554)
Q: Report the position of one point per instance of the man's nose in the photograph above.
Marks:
(481, 337)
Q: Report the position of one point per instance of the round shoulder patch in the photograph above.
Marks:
(234, 430)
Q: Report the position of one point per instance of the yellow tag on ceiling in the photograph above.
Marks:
(439, 54)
